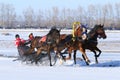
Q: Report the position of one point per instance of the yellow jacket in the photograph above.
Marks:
(74, 27)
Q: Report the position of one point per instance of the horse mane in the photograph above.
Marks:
(52, 30)
(53, 35)
(93, 29)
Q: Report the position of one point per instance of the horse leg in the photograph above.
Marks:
(59, 55)
(85, 56)
(96, 60)
(98, 51)
(49, 56)
(57, 51)
(37, 56)
(69, 52)
(74, 56)
(85, 59)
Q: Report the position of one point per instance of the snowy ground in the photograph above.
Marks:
(107, 69)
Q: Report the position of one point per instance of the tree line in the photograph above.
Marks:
(108, 14)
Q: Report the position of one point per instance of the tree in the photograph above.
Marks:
(55, 15)
(39, 19)
(7, 15)
(91, 15)
(29, 17)
(117, 11)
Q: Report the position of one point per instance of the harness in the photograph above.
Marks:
(43, 39)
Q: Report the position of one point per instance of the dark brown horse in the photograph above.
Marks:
(91, 42)
(52, 40)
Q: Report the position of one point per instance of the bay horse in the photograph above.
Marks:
(34, 44)
(91, 42)
(52, 40)
(76, 44)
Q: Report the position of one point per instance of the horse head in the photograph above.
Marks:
(100, 31)
(53, 36)
(97, 32)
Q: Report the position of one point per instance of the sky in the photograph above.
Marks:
(21, 5)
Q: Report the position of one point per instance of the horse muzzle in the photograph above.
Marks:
(105, 37)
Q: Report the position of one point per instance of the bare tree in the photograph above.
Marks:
(108, 16)
(91, 15)
(29, 17)
(39, 18)
(80, 14)
(63, 17)
(7, 15)
(2, 14)
(10, 15)
(48, 18)
(55, 15)
(117, 10)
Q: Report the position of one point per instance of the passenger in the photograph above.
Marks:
(21, 45)
(31, 37)
(19, 42)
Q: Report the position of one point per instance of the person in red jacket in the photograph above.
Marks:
(19, 41)
(21, 45)
(31, 37)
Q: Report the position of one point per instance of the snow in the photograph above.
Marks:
(108, 67)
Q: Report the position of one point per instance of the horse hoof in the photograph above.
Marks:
(61, 61)
(50, 64)
(96, 62)
(64, 58)
(88, 61)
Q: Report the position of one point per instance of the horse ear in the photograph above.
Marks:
(60, 29)
(102, 25)
(99, 24)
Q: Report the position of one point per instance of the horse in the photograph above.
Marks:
(91, 42)
(76, 44)
(52, 40)
(34, 44)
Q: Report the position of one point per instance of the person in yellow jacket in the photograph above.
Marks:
(75, 26)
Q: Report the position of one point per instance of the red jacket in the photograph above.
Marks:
(19, 42)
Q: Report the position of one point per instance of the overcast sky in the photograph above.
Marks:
(21, 5)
